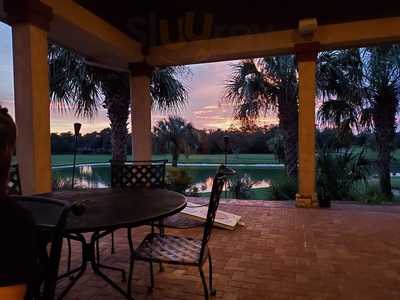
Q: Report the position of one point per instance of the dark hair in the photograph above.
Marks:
(8, 131)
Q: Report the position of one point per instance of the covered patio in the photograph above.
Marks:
(347, 252)
(137, 38)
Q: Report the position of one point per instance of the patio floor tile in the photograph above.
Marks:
(347, 252)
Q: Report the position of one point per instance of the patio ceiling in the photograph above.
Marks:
(187, 32)
(229, 18)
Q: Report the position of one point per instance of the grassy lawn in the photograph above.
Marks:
(372, 155)
(196, 158)
(62, 159)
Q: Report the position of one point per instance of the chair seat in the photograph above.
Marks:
(182, 221)
(170, 249)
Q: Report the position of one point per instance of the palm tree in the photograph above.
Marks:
(176, 136)
(361, 89)
(267, 85)
(83, 88)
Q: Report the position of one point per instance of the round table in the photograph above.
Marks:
(107, 210)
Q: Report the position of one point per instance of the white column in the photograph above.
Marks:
(306, 55)
(140, 80)
(32, 104)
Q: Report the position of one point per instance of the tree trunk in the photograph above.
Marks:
(118, 113)
(288, 122)
(175, 157)
(385, 122)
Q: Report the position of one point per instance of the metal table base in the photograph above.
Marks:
(90, 254)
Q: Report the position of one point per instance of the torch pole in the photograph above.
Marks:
(226, 141)
(77, 128)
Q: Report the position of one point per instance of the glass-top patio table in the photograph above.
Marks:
(105, 211)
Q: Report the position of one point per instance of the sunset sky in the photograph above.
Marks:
(204, 109)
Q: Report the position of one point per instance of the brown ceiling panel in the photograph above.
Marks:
(159, 22)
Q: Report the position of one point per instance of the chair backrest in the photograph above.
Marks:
(50, 218)
(218, 184)
(14, 182)
(142, 174)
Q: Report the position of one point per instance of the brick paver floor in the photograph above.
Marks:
(346, 252)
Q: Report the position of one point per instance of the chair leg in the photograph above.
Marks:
(98, 251)
(112, 243)
(161, 228)
(69, 255)
(151, 277)
(203, 280)
(130, 242)
(210, 270)
(161, 267)
(131, 266)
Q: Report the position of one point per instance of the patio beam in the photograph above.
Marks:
(140, 79)
(306, 55)
(332, 36)
(75, 27)
(32, 104)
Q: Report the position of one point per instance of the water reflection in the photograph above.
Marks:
(86, 177)
(98, 176)
(86, 170)
(206, 185)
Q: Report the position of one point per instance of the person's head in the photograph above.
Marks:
(8, 134)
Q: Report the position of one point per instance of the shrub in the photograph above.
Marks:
(284, 188)
(193, 191)
(241, 188)
(178, 180)
(59, 184)
(371, 194)
(337, 173)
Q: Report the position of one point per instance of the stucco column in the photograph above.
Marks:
(306, 55)
(140, 79)
(31, 93)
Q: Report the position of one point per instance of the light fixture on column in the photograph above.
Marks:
(307, 27)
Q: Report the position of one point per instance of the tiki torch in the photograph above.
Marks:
(226, 142)
(77, 128)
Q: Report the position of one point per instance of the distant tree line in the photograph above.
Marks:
(252, 140)
(90, 143)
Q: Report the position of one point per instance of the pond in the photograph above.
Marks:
(98, 175)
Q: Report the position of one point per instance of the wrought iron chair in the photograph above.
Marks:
(14, 182)
(50, 218)
(158, 248)
(138, 174)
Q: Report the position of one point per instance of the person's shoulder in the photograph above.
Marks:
(18, 255)
(13, 213)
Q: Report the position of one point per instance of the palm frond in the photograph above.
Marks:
(167, 91)
(73, 84)
(256, 86)
(336, 112)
